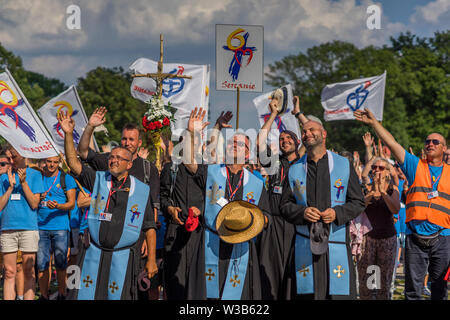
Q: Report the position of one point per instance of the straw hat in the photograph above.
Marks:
(239, 221)
(281, 95)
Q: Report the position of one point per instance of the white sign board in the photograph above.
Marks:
(239, 57)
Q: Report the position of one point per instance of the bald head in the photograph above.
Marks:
(435, 146)
(313, 134)
(438, 136)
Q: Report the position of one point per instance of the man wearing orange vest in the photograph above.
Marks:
(427, 211)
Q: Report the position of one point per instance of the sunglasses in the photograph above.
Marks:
(434, 141)
(3, 164)
(378, 167)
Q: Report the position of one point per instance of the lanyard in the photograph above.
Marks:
(56, 177)
(282, 175)
(111, 192)
(437, 179)
(233, 193)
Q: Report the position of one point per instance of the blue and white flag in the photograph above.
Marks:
(341, 99)
(20, 125)
(183, 94)
(70, 102)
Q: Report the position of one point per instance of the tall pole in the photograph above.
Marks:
(237, 109)
(160, 63)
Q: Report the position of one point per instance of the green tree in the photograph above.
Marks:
(111, 88)
(417, 86)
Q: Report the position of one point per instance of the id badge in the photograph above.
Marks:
(222, 202)
(432, 195)
(43, 204)
(15, 196)
(105, 216)
(277, 189)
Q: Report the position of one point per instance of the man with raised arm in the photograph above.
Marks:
(131, 140)
(427, 210)
(223, 270)
(120, 217)
(277, 240)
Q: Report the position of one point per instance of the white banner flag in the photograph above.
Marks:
(184, 94)
(340, 100)
(283, 121)
(70, 102)
(19, 124)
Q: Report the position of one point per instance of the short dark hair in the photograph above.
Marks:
(122, 148)
(132, 126)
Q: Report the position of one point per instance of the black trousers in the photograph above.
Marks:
(418, 259)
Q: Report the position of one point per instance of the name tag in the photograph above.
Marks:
(43, 204)
(222, 202)
(432, 195)
(15, 196)
(105, 216)
(277, 189)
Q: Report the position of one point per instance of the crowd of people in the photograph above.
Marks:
(316, 224)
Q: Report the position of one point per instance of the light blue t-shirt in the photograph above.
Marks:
(55, 219)
(17, 214)
(77, 214)
(409, 168)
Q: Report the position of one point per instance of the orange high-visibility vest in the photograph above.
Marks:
(419, 207)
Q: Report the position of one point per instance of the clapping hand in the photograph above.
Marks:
(22, 174)
(11, 178)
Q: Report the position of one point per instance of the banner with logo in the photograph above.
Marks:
(70, 102)
(19, 124)
(340, 100)
(283, 121)
(239, 57)
(184, 94)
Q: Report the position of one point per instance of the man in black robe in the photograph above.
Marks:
(319, 211)
(179, 192)
(110, 232)
(277, 240)
(196, 288)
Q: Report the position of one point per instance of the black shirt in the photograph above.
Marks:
(99, 162)
(111, 231)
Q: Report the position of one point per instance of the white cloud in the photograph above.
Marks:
(432, 12)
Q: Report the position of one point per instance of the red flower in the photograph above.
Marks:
(157, 124)
(166, 121)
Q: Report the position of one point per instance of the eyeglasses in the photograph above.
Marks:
(378, 167)
(435, 142)
(3, 164)
(119, 158)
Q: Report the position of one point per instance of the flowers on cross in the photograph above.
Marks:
(158, 115)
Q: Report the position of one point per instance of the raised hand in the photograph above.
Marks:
(273, 106)
(66, 122)
(195, 122)
(365, 116)
(98, 117)
(296, 102)
(223, 119)
(143, 153)
(368, 139)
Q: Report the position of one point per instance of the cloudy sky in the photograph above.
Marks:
(117, 32)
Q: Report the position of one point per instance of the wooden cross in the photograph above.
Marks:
(339, 271)
(87, 281)
(304, 270)
(235, 281)
(159, 76)
(210, 274)
(113, 286)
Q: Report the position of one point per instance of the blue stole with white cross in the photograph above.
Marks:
(338, 258)
(134, 216)
(237, 268)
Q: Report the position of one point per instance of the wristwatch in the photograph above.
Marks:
(297, 114)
